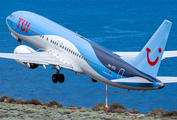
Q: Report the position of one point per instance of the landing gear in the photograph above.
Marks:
(94, 80)
(20, 41)
(55, 78)
(58, 77)
(61, 78)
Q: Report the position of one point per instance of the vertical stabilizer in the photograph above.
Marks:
(149, 59)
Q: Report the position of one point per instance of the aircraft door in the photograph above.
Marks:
(120, 73)
(59, 46)
(15, 20)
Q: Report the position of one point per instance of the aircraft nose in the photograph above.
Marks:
(9, 18)
(161, 85)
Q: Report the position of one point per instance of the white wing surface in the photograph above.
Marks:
(41, 58)
(132, 80)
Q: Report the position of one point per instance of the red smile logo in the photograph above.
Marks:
(156, 60)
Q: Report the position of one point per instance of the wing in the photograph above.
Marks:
(167, 79)
(127, 54)
(131, 80)
(166, 54)
(41, 58)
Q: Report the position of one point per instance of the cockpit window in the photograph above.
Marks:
(10, 16)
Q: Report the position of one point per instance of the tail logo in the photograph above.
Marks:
(148, 59)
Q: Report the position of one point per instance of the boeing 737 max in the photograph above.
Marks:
(63, 48)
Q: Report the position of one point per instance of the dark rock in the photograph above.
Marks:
(79, 107)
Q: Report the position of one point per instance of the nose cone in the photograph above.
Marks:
(161, 85)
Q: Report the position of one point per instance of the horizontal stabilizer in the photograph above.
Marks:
(167, 79)
(166, 54)
(132, 80)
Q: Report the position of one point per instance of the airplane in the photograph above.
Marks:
(62, 48)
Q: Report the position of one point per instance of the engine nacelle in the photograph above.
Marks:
(25, 49)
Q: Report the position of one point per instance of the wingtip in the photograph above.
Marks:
(167, 22)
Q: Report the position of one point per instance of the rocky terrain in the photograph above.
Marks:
(11, 109)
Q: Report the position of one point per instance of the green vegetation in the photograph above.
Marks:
(54, 103)
(3, 97)
(11, 100)
(116, 108)
(170, 113)
(99, 106)
(19, 108)
(162, 112)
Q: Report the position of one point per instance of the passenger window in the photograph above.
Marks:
(99, 66)
(47, 39)
(103, 68)
(110, 72)
(86, 59)
(36, 33)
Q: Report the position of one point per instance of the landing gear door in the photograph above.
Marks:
(15, 20)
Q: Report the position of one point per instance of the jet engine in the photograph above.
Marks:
(25, 49)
